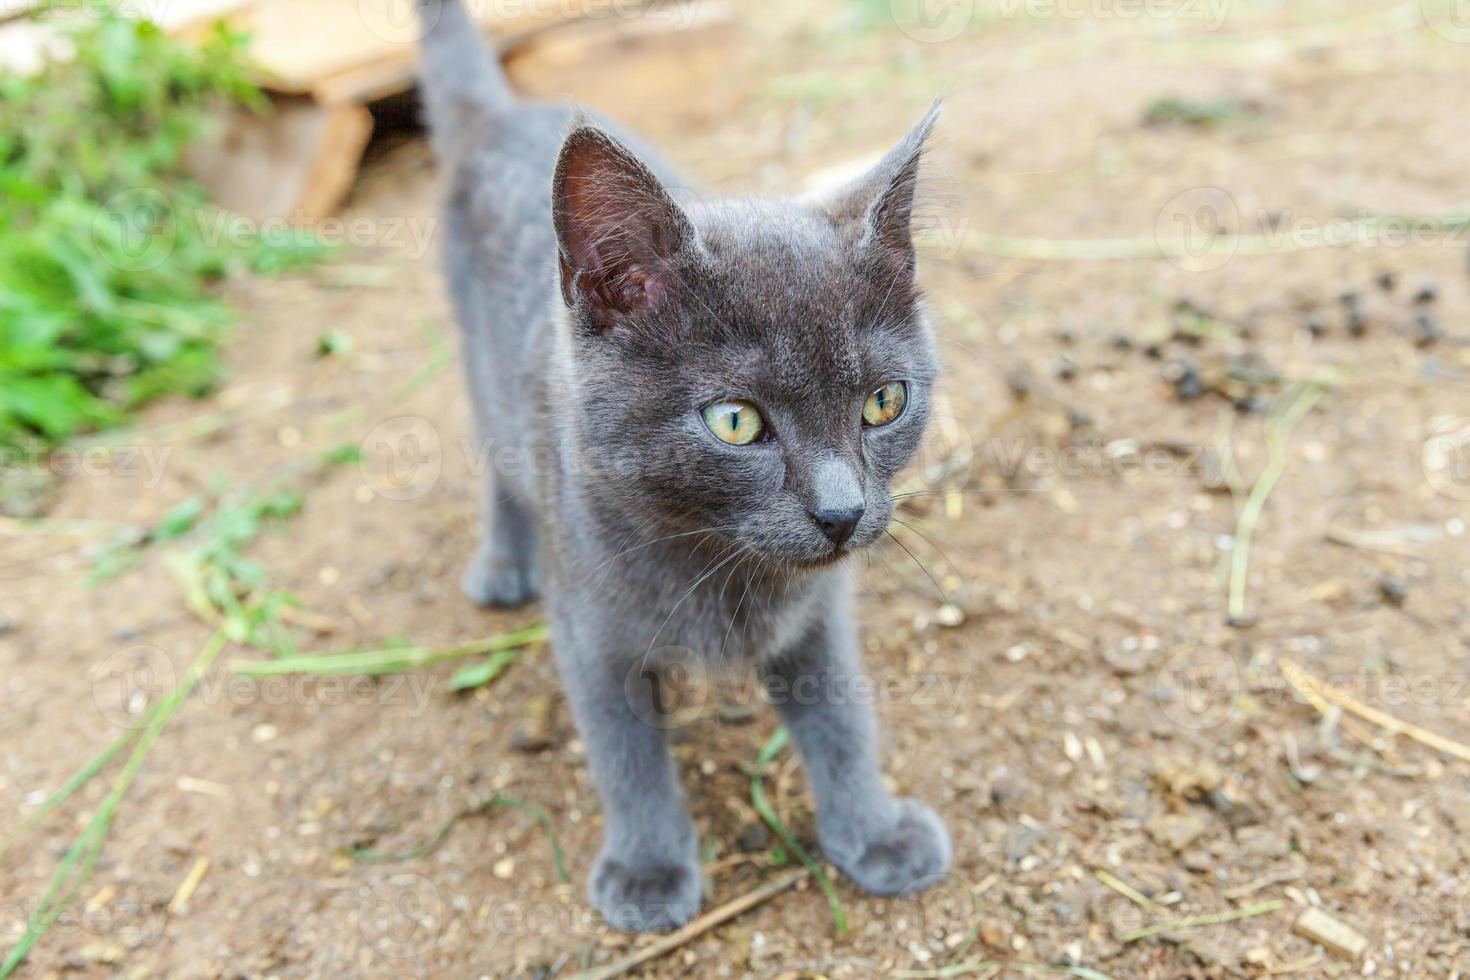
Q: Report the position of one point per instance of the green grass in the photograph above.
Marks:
(768, 813)
(1195, 112)
(80, 860)
(109, 253)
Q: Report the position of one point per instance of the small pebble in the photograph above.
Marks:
(504, 869)
(1316, 326)
(1065, 368)
(1386, 281)
(1392, 590)
(1356, 325)
(6, 625)
(1427, 293)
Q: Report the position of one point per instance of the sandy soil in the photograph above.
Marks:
(1086, 709)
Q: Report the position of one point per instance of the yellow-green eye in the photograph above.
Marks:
(738, 423)
(885, 404)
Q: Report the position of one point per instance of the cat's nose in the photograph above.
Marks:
(838, 525)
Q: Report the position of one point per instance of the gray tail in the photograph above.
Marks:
(462, 85)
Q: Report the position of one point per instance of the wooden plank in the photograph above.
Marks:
(297, 161)
(349, 51)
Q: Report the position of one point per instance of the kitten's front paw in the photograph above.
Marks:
(488, 582)
(909, 855)
(646, 898)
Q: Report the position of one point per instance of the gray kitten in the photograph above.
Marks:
(695, 413)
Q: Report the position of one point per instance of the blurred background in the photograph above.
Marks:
(1175, 621)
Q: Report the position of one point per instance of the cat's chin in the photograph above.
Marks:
(816, 563)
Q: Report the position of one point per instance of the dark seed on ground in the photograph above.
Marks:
(6, 625)
(1250, 404)
(1386, 281)
(1122, 342)
(1185, 379)
(1427, 293)
(1316, 326)
(1065, 368)
(753, 837)
(1426, 331)
(1356, 325)
(1349, 299)
(1392, 590)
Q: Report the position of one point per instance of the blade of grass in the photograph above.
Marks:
(479, 674)
(1278, 429)
(76, 782)
(1195, 921)
(976, 966)
(81, 858)
(558, 858)
(373, 662)
(768, 813)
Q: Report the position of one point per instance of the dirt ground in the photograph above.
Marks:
(1061, 683)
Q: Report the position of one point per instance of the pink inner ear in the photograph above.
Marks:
(654, 287)
(617, 226)
(636, 289)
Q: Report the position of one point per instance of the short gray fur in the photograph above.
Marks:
(599, 319)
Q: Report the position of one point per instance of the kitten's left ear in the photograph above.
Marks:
(880, 205)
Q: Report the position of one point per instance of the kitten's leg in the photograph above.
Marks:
(647, 877)
(503, 571)
(887, 846)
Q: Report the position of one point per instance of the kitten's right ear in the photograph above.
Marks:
(618, 231)
(879, 206)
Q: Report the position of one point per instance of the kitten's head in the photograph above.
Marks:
(757, 368)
